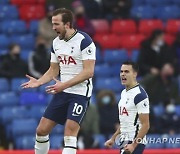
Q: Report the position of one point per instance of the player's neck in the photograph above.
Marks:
(130, 86)
(69, 33)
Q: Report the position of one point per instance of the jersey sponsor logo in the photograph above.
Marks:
(66, 60)
(122, 111)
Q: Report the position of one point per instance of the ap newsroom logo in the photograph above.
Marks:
(123, 139)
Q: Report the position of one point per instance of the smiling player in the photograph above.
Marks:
(133, 112)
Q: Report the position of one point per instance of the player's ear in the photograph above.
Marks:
(67, 25)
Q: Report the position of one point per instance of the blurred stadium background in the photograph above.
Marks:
(118, 40)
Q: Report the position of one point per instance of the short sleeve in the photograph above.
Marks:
(143, 106)
(88, 48)
(53, 56)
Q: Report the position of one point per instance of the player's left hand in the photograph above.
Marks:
(56, 88)
(129, 148)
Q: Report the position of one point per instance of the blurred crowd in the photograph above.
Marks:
(159, 69)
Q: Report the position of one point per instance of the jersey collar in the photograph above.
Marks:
(71, 36)
(132, 87)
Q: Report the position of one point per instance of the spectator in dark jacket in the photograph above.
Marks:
(154, 53)
(12, 65)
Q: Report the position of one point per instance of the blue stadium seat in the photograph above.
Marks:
(177, 110)
(34, 26)
(115, 56)
(56, 141)
(176, 2)
(14, 27)
(30, 98)
(142, 12)
(43, 87)
(99, 56)
(138, 2)
(58, 129)
(115, 70)
(4, 85)
(135, 55)
(158, 2)
(4, 1)
(8, 12)
(100, 138)
(25, 142)
(103, 70)
(21, 127)
(173, 141)
(8, 99)
(10, 113)
(109, 83)
(158, 110)
(25, 54)
(36, 112)
(4, 41)
(26, 41)
(167, 12)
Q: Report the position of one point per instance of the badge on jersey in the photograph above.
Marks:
(145, 104)
(89, 50)
(121, 140)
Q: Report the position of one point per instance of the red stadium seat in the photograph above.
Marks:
(32, 12)
(26, 2)
(17, 2)
(169, 39)
(101, 26)
(107, 41)
(173, 26)
(123, 27)
(130, 42)
(147, 26)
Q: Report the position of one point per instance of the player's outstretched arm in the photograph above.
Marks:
(109, 143)
(53, 71)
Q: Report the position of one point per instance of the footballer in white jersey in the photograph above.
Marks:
(73, 57)
(133, 113)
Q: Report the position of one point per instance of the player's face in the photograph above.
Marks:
(127, 75)
(59, 26)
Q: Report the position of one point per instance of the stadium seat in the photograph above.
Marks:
(4, 42)
(14, 27)
(100, 138)
(154, 141)
(30, 98)
(36, 112)
(173, 26)
(147, 26)
(134, 55)
(123, 27)
(131, 42)
(109, 83)
(100, 25)
(8, 99)
(25, 54)
(169, 39)
(158, 2)
(176, 2)
(58, 129)
(9, 12)
(16, 84)
(173, 141)
(4, 85)
(105, 41)
(142, 12)
(115, 56)
(103, 70)
(26, 41)
(25, 142)
(178, 110)
(43, 87)
(4, 2)
(99, 56)
(158, 110)
(167, 12)
(11, 113)
(57, 141)
(33, 27)
(21, 127)
(138, 2)
(32, 12)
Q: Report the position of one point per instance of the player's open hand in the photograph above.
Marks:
(109, 143)
(56, 88)
(32, 83)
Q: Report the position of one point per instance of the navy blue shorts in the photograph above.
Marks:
(138, 150)
(65, 106)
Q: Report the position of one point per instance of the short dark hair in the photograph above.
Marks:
(67, 15)
(133, 64)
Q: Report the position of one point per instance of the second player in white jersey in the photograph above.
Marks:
(70, 54)
(132, 103)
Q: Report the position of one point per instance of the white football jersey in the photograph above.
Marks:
(70, 55)
(132, 102)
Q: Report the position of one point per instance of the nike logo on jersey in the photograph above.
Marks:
(75, 115)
